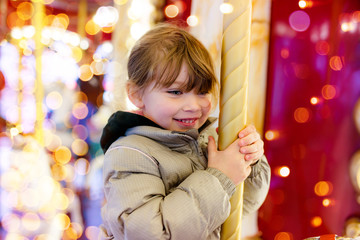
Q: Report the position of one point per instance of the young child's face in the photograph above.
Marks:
(173, 109)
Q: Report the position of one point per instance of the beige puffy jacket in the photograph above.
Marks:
(157, 186)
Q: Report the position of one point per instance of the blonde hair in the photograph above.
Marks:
(159, 54)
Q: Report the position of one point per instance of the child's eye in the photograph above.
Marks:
(175, 92)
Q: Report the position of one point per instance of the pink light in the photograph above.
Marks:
(299, 21)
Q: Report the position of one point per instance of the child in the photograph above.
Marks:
(160, 180)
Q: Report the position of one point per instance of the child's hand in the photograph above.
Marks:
(251, 144)
(230, 161)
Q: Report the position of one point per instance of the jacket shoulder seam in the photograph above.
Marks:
(137, 150)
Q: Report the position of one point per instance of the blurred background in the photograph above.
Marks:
(62, 70)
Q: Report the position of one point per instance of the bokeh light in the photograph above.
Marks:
(79, 147)
(30, 221)
(322, 47)
(92, 28)
(335, 63)
(62, 155)
(192, 21)
(92, 232)
(80, 110)
(62, 220)
(323, 188)
(299, 21)
(171, 11)
(316, 221)
(25, 10)
(283, 236)
(82, 166)
(85, 73)
(328, 91)
(314, 100)
(271, 135)
(302, 115)
(54, 100)
(226, 8)
(80, 131)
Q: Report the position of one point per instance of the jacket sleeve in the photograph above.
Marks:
(256, 186)
(137, 206)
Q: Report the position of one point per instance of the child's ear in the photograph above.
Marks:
(134, 95)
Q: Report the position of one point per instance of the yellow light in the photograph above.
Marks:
(52, 141)
(97, 67)
(30, 221)
(326, 202)
(323, 188)
(120, 2)
(58, 172)
(62, 220)
(302, 4)
(271, 135)
(348, 26)
(314, 100)
(85, 73)
(171, 11)
(192, 21)
(25, 10)
(62, 155)
(316, 221)
(226, 8)
(79, 147)
(11, 180)
(14, 132)
(77, 54)
(74, 231)
(61, 202)
(284, 171)
(92, 28)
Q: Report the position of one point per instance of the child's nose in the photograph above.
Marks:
(192, 103)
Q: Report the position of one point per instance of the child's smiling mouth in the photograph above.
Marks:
(187, 121)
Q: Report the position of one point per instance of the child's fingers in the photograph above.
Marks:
(247, 130)
(211, 145)
(249, 139)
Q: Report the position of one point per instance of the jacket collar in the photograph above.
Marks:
(127, 123)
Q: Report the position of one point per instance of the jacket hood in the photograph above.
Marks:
(117, 125)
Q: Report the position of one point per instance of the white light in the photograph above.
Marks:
(137, 30)
(107, 47)
(74, 39)
(29, 31)
(302, 4)
(192, 21)
(226, 8)
(84, 44)
(106, 16)
(16, 33)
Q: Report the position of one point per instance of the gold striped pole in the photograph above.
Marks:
(37, 22)
(233, 96)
